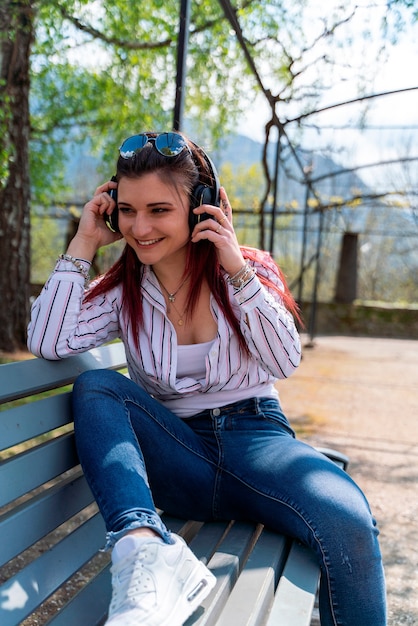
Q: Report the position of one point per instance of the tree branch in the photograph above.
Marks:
(347, 102)
(135, 45)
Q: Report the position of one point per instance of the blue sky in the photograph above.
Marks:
(391, 119)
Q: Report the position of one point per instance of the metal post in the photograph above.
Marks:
(314, 303)
(346, 287)
(182, 44)
(275, 191)
(304, 243)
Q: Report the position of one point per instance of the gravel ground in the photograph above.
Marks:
(360, 396)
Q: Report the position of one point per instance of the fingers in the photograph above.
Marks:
(106, 187)
(105, 203)
(222, 220)
(226, 207)
(102, 202)
(94, 210)
(220, 231)
(212, 230)
(218, 228)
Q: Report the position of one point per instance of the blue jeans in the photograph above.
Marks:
(238, 462)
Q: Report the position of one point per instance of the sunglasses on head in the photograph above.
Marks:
(167, 144)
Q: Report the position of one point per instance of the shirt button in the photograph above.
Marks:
(216, 412)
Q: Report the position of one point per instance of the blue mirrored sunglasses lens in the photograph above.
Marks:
(170, 144)
(132, 145)
(167, 144)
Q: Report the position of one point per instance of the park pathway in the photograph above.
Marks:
(360, 395)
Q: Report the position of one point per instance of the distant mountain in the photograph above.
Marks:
(240, 150)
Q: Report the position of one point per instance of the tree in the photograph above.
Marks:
(16, 28)
(103, 70)
(98, 70)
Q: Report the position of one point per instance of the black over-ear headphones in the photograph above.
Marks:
(204, 194)
(201, 194)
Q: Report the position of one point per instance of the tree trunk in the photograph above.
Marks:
(16, 30)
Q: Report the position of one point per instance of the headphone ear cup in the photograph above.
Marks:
(111, 220)
(202, 194)
(215, 189)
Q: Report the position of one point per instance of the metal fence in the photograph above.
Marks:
(307, 247)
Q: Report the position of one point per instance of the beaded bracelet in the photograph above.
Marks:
(77, 264)
(242, 277)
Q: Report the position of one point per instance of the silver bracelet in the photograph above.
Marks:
(242, 277)
(240, 272)
(77, 264)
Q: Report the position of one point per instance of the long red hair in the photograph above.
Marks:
(202, 262)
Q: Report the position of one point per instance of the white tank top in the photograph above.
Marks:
(191, 363)
(191, 360)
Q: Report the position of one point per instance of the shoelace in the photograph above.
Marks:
(132, 580)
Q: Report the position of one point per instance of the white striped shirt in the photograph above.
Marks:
(62, 324)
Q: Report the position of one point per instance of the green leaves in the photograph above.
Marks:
(102, 70)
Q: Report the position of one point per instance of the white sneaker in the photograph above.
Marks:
(155, 583)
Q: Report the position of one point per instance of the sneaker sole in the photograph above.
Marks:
(200, 583)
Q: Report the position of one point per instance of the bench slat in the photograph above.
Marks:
(209, 537)
(295, 595)
(22, 527)
(23, 593)
(226, 564)
(22, 379)
(253, 594)
(36, 466)
(90, 605)
(36, 418)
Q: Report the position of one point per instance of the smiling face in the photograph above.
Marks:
(153, 219)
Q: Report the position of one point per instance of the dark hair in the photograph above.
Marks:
(173, 169)
(186, 170)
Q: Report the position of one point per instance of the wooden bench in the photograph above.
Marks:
(51, 567)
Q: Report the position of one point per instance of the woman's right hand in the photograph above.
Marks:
(92, 232)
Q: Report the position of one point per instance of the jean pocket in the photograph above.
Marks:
(270, 412)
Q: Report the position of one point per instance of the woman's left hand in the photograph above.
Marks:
(219, 230)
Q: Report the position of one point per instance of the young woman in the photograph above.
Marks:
(197, 430)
